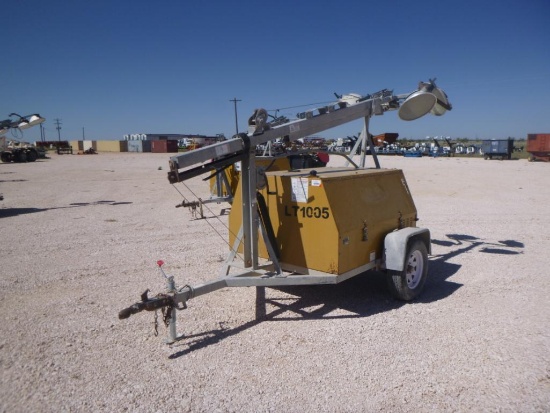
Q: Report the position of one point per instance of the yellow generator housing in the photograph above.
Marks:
(332, 220)
(233, 176)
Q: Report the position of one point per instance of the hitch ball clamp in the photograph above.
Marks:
(146, 304)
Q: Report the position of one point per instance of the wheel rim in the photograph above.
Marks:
(415, 267)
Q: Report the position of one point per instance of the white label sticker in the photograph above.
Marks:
(299, 189)
(315, 182)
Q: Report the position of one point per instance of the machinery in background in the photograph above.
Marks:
(538, 145)
(497, 148)
(15, 150)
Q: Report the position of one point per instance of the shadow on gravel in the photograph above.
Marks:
(11, 212)
(437, 285)
(358, 297)
(467, 242)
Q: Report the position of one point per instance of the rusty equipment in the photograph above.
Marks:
(538, 146)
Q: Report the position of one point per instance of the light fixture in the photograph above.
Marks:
(24, 122)
(35, 119)
(428, 98)
(442, 105)
(30, 121)
(416, 105)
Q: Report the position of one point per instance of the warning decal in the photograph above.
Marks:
(299, 189)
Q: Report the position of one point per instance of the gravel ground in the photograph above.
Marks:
(80, 239)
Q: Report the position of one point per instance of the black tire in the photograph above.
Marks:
(6, 157)
(406, 285)
(32, 155)
(20, 156)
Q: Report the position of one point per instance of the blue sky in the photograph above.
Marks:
(119, 67)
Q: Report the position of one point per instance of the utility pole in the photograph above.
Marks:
(58, 127)
(235, 100)
(83, 138)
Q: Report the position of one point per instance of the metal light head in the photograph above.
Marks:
(416, 105)
(30, 121)
(427, 99)
(442, 104)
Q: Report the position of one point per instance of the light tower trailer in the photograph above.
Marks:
(17, 151)
(315, 225)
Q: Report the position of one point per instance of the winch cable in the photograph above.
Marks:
(183, 196)
(208, 222)
(300, 106)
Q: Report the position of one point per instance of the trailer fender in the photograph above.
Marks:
(396, 244)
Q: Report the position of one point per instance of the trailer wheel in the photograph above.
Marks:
(20, 156)
(6, 157)
(32, 155)
(408, 284)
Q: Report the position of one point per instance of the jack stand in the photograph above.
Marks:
(172, 333)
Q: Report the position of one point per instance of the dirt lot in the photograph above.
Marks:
(80, 239)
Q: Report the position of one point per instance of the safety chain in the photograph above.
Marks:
(167, 314)
(156, 323)
(167, 311)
